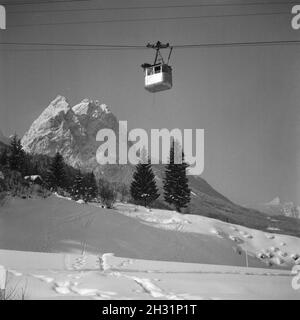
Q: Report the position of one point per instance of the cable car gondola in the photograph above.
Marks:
(158, 76)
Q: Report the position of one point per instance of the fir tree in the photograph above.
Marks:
(16, 157)
(56, 176)
(27, 168)
(90, 187)
(143, 187)
(35, 168)
(4, 158)
(176, 189)
(78, 187)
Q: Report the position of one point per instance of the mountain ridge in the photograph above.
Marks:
(278, 208)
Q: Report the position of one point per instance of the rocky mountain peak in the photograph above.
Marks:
(59, 104)
(70, 130)
(92, 108)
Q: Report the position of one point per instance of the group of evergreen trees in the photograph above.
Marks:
(56, 175)
(84, 187)
(14, 158)
(59, 177)
(176, 190)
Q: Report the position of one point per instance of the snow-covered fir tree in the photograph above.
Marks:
(90, 189)
(56, 175)
(143, 188)
(176, 189)
(17, 155)
(78, 189)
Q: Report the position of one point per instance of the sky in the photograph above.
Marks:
(246, 98)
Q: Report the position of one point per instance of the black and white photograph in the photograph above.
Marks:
(149, 150)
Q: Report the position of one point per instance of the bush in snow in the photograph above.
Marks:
(122, 190)
(107, 193)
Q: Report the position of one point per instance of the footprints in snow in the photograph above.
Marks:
(270, 236)
(67, 287)
(244, 234)
(80, 263)
(148, 287)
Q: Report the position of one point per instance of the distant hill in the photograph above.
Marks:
(277, 208)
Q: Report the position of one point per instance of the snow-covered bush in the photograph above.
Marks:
(107, 195)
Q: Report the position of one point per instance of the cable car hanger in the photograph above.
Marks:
(157, 46)
(158, 76)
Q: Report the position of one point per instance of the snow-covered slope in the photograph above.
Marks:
(60, 225)
(56, 248)
(270, 248)
(35, 275)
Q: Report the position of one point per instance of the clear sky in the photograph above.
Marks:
(246, 98)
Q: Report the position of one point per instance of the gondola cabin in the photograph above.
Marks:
(158, 77)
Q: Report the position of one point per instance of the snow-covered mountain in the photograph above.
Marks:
(276, 207)
(72, 130)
